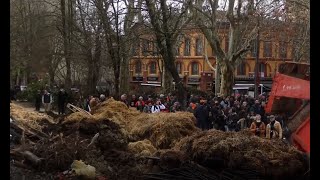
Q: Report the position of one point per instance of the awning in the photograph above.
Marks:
(242, 86)
(194, 83)
(235, 88)
(146, 84)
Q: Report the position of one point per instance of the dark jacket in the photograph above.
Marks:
(38, 98)
(133, 102)
(258, 109)
(232, 120)
(47, 98)
(202, 113)
(62, 97)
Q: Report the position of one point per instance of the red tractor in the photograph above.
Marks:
(290, 94)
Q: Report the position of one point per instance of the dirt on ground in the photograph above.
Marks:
(116, 142)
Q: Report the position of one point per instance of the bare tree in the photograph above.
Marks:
(89, 29)
(117, 22)
(242, 19)
(167, 20)
(32, 32)
(67, 19)
(298, 19)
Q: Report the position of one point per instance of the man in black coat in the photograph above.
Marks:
(62, 99)
(232, 119)
(38, 100)
(202, 115)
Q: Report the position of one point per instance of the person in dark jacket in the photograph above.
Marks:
(257, 108)
(123, 99)
(47, 101)
(38, 99)
(62, 99)
(133, 101)
(11, 94)
(232, 120)
(202, 115)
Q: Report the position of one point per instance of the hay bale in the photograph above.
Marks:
(77, 117)
(115, 111)
(169, 128)
(162, 129)
(28, 118)
(144, 148)
(140, 126)
(243, 150)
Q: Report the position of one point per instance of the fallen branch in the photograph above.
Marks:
(31, 157)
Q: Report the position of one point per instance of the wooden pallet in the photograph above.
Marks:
(74, 108)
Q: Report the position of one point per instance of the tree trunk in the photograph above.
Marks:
(167, 82)
(18, 77)
(227, 80)
(66, 44)
(217, 79)
(124, 77)
(51, 77)
(116, 82)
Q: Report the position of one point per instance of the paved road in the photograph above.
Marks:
(30, 106)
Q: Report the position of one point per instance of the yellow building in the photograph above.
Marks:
(146, 66)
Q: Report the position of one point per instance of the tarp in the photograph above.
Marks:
(302, 136)
(287, 86)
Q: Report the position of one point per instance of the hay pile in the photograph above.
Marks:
(114, 110)
(144, 148)
(77, 117)
(271, 158)
(28, 118)
(162, 129)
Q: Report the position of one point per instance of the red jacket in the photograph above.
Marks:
(137, 103)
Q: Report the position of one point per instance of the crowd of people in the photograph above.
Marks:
(231, 113)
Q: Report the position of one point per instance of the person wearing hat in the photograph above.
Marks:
(274, 129)
(140, 104)
(102, 97)
(257, 127)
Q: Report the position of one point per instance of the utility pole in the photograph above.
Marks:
(256, 73)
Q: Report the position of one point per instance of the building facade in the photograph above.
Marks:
(146, 66)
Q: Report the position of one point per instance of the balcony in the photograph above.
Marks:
(251, 77)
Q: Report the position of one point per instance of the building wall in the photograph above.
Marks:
(205, 76)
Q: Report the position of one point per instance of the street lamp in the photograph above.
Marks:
(256, 72)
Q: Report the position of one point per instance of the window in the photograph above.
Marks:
(179, 68)
(241, 69)
(294, 49)
(194, 68)
(146, 47)
(262, 69)
(283, 49)
(138, 66)
(226, 44)
(155, 49)
(187, 47)
(212, 51)
(135, 49)
(153, 69)
(177, 51)
(267, 49)
(198, 46)
(253, 45)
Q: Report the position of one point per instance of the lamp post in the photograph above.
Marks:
(256, 73)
